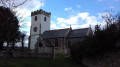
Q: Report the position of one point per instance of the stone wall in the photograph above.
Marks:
(26, 55)
(60, 48)
(73, 42)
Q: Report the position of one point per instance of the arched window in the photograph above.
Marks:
(45, 19)
(56, 43)
(40, 44)
(35, 18)
(69, 44)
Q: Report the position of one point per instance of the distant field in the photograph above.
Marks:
(41, 63)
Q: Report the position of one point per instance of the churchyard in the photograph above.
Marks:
(37, 62)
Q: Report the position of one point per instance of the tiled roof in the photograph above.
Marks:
(78, 33)
(60, 33)
(48, 44)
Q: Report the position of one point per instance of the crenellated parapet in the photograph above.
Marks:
(40, 12)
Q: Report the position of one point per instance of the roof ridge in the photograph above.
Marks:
(58, 29)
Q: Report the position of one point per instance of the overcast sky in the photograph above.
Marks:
(77, 13)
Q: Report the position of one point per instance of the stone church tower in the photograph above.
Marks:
(40, 22)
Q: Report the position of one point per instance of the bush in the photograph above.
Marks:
(85, 48)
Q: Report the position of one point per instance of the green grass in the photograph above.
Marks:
(41, 63)
(61, 56)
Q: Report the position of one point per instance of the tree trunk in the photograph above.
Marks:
(13, 46)
(7, 48)
(22, 44)
(1, 46)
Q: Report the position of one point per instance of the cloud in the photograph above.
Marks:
(28, 23)
(103, 20)
(33, 4)
(60, 20)
(81, 20)
(68, 9)
(84, 15)
(22, 13)
(75, 26)
(101, 15)
(53, 25)
(63, 25)
(71, 20)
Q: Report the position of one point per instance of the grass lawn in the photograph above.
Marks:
(41, 63)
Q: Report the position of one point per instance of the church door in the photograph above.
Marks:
(40, 47)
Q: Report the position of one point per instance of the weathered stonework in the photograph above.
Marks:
(40, 12)
(60, 47)
(41, 21)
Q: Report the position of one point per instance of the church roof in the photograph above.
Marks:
(78, 33)
(60, 33)
(48, 44)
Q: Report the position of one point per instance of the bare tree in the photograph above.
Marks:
(11, 3)
(22, 36)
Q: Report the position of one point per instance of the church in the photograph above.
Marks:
(44, 40)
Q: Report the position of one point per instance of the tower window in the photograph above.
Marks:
(35, 18)
(56, 43)
(40, 44)
(35, 29)
(45, 19)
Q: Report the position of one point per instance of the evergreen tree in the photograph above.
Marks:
(9, 28)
